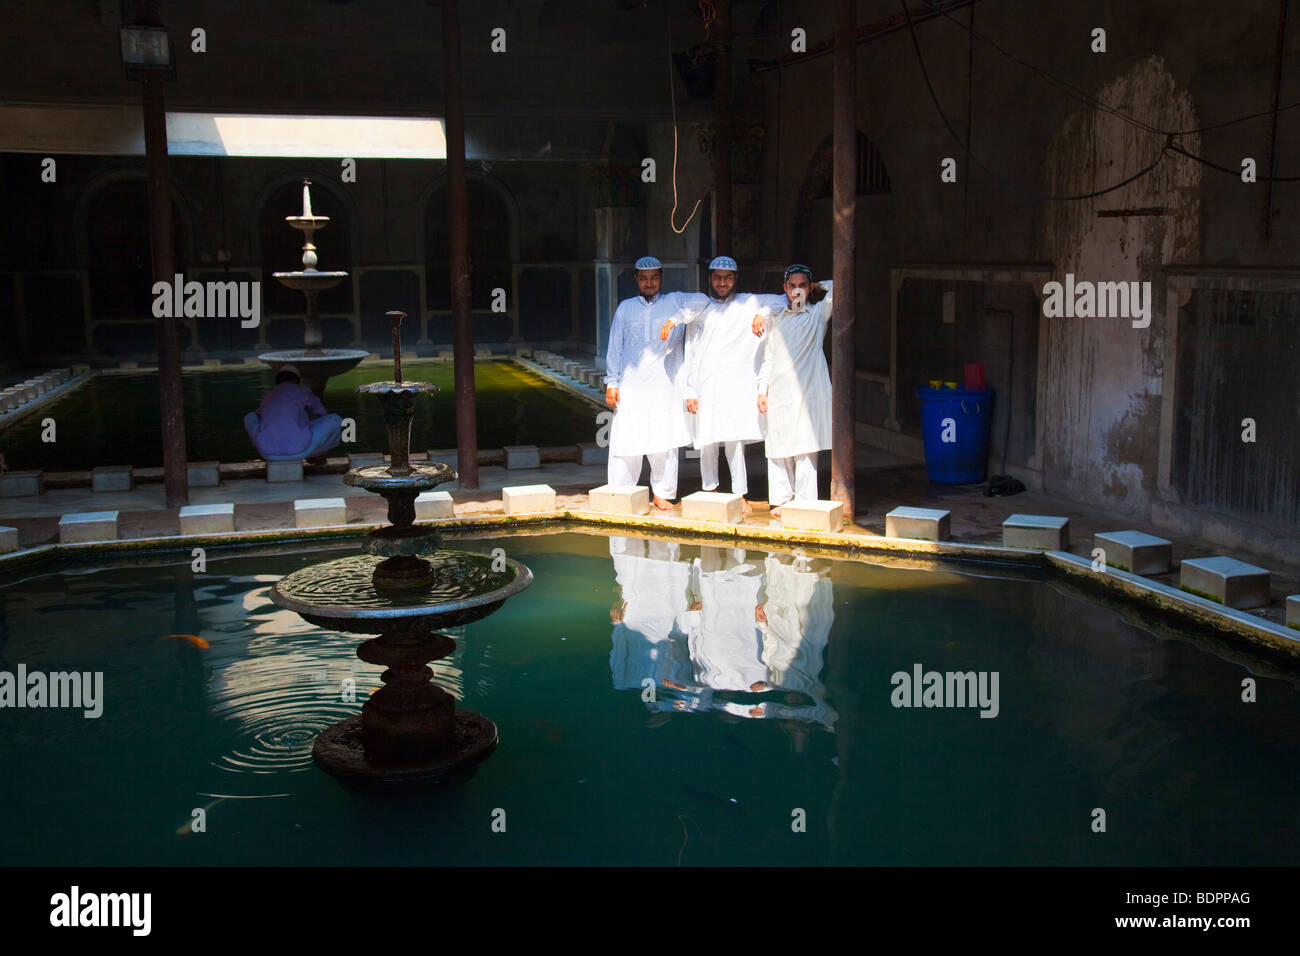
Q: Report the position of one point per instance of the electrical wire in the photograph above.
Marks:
(1132, 120)
(975, 161)
(1175, 147)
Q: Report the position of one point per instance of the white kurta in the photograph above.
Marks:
(726, 650)
(647, 371)
(796, 380)
(800, 610)
(649, 642)
(723, 358)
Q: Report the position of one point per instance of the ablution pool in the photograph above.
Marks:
(659, 703)
(113, 418)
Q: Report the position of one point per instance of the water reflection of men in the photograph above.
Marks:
(798, 614)
(648, 640)
(727, 647)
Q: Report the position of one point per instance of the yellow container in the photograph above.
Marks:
(936, 383)
(952, 385)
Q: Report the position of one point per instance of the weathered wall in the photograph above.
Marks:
(1103, 379)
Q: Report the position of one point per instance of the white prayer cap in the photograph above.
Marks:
(724, 262)
(648, 262)
(289, 368)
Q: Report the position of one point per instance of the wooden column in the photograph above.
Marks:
(723, 123)
(176, 483)
(462, 336)
(844, 201)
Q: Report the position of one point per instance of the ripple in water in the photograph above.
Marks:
(282, 700)
(282, 703)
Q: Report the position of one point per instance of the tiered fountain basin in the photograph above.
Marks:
(315, 365)
(403, 589)
(410, 728)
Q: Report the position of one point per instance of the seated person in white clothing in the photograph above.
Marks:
(280, 428)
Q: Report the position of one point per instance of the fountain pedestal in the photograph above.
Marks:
(403, 589)
(316, 365)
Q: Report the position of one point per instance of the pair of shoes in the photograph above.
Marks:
(1003, 485)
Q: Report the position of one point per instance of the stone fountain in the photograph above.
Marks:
(316, 365)
(403, 589)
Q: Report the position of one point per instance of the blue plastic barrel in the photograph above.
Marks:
(962, 417)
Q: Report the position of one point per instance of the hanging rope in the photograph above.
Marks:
(672, 93)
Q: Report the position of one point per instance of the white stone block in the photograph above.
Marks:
(8, 540)
(523, 456)
(112, 478)
(204, 474)
(447, 355)
(433, 504)
(88, 526)
(619, 499)
(482, 353)
(522, 499)
(1044, 532)
(1293, 611)
(713, 506)
(1226, 580)
(1135, 551)
(284, 470)
(319, 512)
(589, 453)
(208, 519)
(812, 515)
(16, 484)
(928, 524)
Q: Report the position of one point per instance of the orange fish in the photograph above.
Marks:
(194, 639)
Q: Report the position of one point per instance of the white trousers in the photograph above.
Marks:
(790, 478)
(735, 462)
(626, 470)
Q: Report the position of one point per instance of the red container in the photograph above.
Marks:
(975, 376)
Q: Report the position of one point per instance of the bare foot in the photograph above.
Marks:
(745, 507)
(663, 505)
(674, 685)
(759, 686)
(775, 512)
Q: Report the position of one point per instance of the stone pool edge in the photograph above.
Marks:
(1187, 608)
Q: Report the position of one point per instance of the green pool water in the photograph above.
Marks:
(1094, 711)
(114, 419)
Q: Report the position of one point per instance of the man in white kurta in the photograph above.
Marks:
(722, 363)
(794, 388)
(797, 618)
(648, 640)
(644, 382)
(726, 649)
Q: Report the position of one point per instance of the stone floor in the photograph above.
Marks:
(883, 482)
